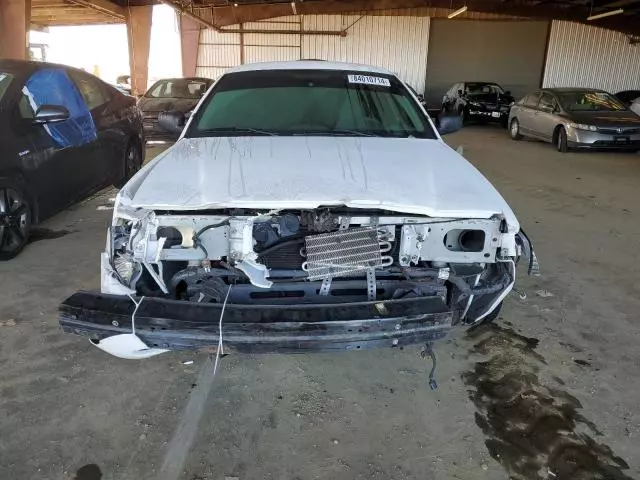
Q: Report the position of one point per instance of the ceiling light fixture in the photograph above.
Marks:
(606, 14)
(457, 12)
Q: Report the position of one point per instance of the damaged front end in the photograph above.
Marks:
(292, 280)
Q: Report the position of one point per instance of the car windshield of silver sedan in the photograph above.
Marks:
(310, 102)
(589, 101)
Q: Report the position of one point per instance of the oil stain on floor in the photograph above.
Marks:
(534, 431)
(88, 472)
(39, 233)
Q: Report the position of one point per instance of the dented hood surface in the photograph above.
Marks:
(407, 175)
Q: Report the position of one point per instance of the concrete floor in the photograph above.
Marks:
(551, 392)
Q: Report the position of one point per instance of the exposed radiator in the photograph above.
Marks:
(342, 253)
(284, 255)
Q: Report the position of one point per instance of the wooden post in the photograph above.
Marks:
(15, 16)
(139, 34)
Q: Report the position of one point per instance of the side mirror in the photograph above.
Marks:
(508, 92)
(460, 93)
(548, 109)
(172, 121)
(449, 124)
(51, 114)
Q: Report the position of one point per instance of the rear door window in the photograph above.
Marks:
(531, 100)
(546, 101)
(90, 89)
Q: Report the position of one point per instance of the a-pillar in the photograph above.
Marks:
(189, 39)
(139, 34)
(15, 16)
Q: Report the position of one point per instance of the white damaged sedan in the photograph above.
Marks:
(307, 206)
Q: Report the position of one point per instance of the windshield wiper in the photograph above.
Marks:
(337, 133)
(343, 131)
(238, 130)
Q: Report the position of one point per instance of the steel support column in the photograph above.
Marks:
(139, 34)
(15, 16)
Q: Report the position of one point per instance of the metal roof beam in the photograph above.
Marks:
(102, 6)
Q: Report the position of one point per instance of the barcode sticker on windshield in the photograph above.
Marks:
(368, 80)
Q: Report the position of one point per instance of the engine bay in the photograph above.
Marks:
(319, 256)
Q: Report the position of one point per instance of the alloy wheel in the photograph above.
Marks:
(131, 160)
(14, 221)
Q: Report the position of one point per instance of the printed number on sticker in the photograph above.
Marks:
(368, 80)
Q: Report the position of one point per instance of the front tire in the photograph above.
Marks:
(15, 219)
(514, 130)
(562, 144)
(463, 113)
(132, 163)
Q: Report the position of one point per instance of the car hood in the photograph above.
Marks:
(414, 176)
(621, 117)
(153, 105)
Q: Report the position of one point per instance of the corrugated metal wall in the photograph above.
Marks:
(585, 56)
(217, 52)
(270, 47)
(396, 43)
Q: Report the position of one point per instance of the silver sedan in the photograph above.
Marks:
(575, 118)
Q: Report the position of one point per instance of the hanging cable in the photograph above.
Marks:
(196, 236)
(220, 348)
(135, 310)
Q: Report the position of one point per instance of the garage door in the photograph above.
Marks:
(510, 53)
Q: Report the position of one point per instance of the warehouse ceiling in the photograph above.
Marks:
(229, 12)
(75, 12)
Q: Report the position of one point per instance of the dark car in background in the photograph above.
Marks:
(65, 135)
(628, 96)
(576, 118)
(478, 101)
(419, 96)
(171, 94)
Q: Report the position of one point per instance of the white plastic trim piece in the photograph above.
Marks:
(127, 346)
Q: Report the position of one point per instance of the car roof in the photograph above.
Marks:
(21, 67)
(308, 65)
(27, 67)
(173, 79)
(572, 89)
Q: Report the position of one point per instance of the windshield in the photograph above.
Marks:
(5, 80)
(310, 102)
(589, 101)
(178, 88)
(484, 88)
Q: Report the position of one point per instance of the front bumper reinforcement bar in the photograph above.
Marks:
(181, 325)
